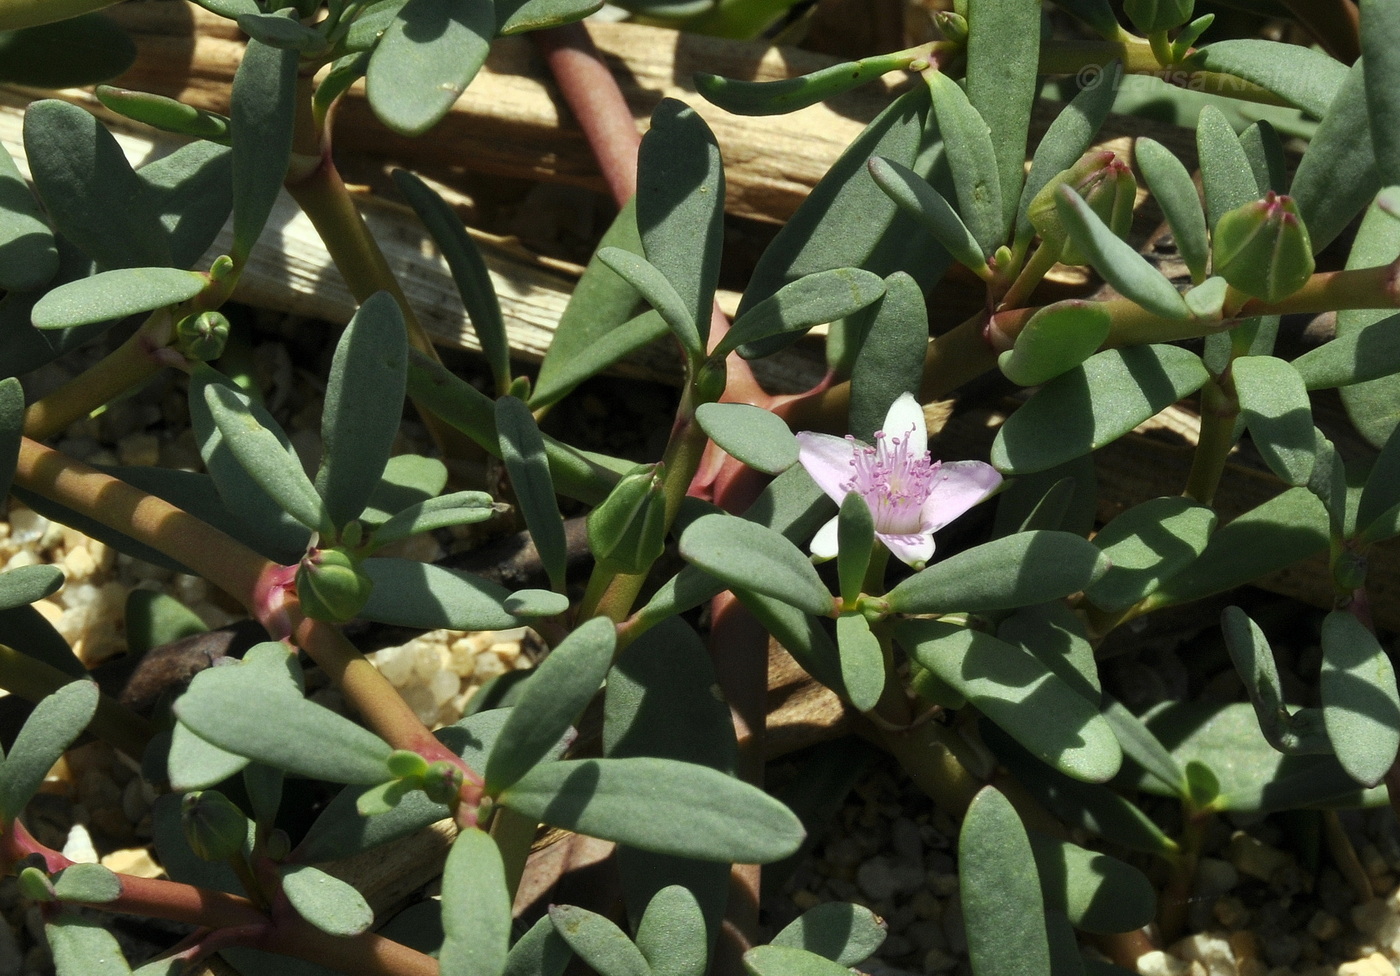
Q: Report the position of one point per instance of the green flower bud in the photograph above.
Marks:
(202, 337)
(1262, 248)
(628, 530)
(1151, 16)
(442, 782)
(953, 25)
(1104, 181)
(215, 829)
(331, 586)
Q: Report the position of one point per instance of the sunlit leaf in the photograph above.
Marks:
(429, 53)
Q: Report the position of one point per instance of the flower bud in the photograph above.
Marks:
(628, 530)
(1262, 248)
(442, 781)
(215, 829)
(202, 337)
(953, 25)
(1104, 181)
(331, 586)
(1151, 16)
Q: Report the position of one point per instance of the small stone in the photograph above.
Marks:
(139, 450)
(1211, 951)
(805, 899)
(1372, 861)
(1231, 912)
(78, 847)
(1375, 964)
(135, 861)
(1257, 859)
(877, 879)
(1371, 917)
(1324, 926)
(938, 961)
(1282, 950)
(926, 905)
(1158, 963)
(905, 839)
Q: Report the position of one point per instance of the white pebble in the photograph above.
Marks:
(78, 847)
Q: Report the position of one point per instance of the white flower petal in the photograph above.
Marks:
(824, 542)
(914, 550)
(906, 421)
(961, 484)
(828, 460)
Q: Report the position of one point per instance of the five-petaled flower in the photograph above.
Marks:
(910, 496)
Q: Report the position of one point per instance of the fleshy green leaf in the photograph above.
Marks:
(755, 558)
(475, 908)
(782, 960)
(1374, 406)
(553, 698)
(1227, 181)
(27, 584)
(1175, 192)
(261, 110)
(1099, 893)
(598, 942)
(1057, 637)
(518, 16)
(1299, 732)
(680, 206)
(90, 191)
(659, 805)
(916, 197)
(672, 936)
(364, 398)
(115, 294)
(1337, 176)
(890, 360)
(192, 193)
(282, 32)
(414, 594)
(855, 538)
(11, 430)
(48, 732)
(1002, 904)
(1356, 356)
(1094, 404)
(862, 661)
(523, 451)
(258, 443)
(1144, 748)
(458, 508)
(325, 901)
(541, 951)
(790, 94)
(1056, 339)
(659, 293)
(755, 436)
(1114, 258)
(409, 480)
(28, 254)
(1276, 410)
(429, 53)
(67, 53)
(844, 933)
(1360, 704)
(814, 299)
(1020, 694)
(973, 159)
(1147, 544)
(86, 882)
(1018, 570)
(468, 269)
(1264, 540)
(242, 709)
(1380, 46)
(165, 113)
(194, 764)
(1305, 77)
(83, 945)
(1003, 50)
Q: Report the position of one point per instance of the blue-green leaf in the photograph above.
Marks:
(1002, 904)
(429, 53)
(262, 107)
(475, 908)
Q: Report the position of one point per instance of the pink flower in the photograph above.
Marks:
(910, 496)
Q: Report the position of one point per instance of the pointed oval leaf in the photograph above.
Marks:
(165, 113)
(277, 31)
(27, 584)
(1016, 571)
(1002, 904)
(541, 951)
(790, 94)
(1356, 356)
(1360, 704)
(916, 197)
(973, 159)
(193, 764)
(890, 360)
(1099, 893)
(1020, 694)
(1057, 636)
(258, 443)
(192, 193)
(90, 191)
(754, 557)
(47, 733)
(1337, 175)
(30, 254)
(814, 299)
(536, 603)
(475, 908)
(1275, 407)
(115, 294)
(659, 805)
(364, 403)
(785, 960)
(1227, 181)
(1114, 258)
(1175, 192)
(518, 16)
(83, 945)
(1056, 339)
(444, 511)
(844, 933)
(755, 436)
(522, 450)
(672, 936)
(414, 594)
(1305, 77)
(238, 708)
(1003, 51)
(261, 110)
(325, 901)
(598, 942)
(429, 53)
(1374, 406)
(1144, 748)
(1380, 46)
(659, 293)
(1147, 544)
(680, 205)
(855, 537)
(468, 269)
(1094, 404)
(1300, 732)
(862, 661)
(553, 698)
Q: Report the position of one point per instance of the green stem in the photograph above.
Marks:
(1032, 274)
(1220, 408)
(936, 760)
(514, 834)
